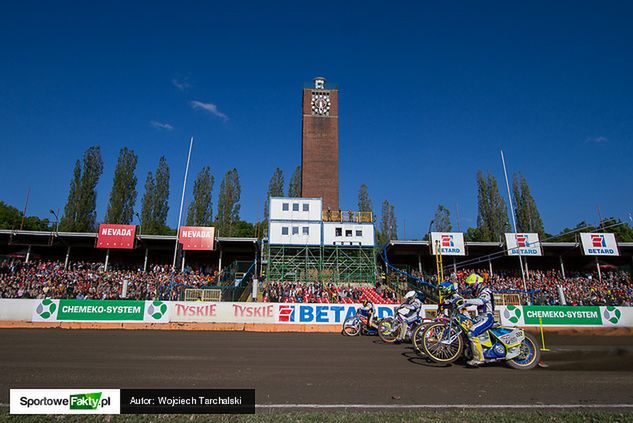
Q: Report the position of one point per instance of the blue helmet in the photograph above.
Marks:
(446, 288)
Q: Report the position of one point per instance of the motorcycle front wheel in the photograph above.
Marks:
(530, 354)
(435, 342)
(389, 329)
(351, 327)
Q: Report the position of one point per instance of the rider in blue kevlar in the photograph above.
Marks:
(485, 303)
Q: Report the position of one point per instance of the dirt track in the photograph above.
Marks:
(304, 368)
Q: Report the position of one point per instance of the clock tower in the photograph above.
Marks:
(319, 144)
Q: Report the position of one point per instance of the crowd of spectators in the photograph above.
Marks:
(296, 292)
(83, 280)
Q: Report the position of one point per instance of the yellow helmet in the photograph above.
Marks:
(473, 279)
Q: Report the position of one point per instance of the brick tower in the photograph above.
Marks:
(319, 147)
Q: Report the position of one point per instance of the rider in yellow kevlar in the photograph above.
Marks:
(483, 299)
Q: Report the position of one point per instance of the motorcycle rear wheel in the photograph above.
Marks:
(530, 354)
(388, 330)
(417, 339)
(440, 352)
(351, 327)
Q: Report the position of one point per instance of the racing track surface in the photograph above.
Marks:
(304, 368)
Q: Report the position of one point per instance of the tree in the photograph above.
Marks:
(123, 194)
(442, 219)
(228, 203)
(86, 213)
(200, 212)
(275, 189)
(388, 226)
(294, 187)
(623, 231)
(528, 217)
(11, 218)
(243, 229)
(492, 215)
(364, 202)
(67, 222)
(147, 208)
(160, 206)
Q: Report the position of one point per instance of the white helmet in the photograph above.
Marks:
(409, 296)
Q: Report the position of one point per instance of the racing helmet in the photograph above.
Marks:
(475, 281)
(446, 289)
(409, 297)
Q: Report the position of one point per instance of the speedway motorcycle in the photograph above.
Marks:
(389, 328)
(358, 325)
(447, 341)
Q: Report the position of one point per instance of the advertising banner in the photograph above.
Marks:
(566, 316)
(49, 310)
(197, 238)
(599, 244)
(450, 243)
(525, 244)
(64, 401)
(116, 236)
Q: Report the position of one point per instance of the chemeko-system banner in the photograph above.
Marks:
(524, 244)
(62, 310)
(599, 244)
(449, 243)
(196, 238)
(116, 236)
(577, 316)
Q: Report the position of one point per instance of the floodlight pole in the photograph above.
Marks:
(514, 223)
(182, 202)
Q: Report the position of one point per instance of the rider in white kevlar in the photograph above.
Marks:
(409, 311)
(485, 303)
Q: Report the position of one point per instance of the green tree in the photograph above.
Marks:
(160, 206)
(242, 229)
(528, 217)
(69, 219)
(200, 212)
(294, 187)
(86, 215)
(442, 219)
(11, 218)
(147, 208)
(275, 189)
(123, 194)
(492, 215)
(388, 225)
(623, 231)
(364, 201)
(228, 203)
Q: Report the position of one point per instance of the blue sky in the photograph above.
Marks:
(429, 93)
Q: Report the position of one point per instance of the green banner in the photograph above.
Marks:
(101, 310)
(557, 315)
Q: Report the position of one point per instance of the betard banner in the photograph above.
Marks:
(566, 316)
(49, 310)
(449, 243)
(524, 244)
(196, 238)
(116, 236)
(599, 244)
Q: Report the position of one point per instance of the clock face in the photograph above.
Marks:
(321, 104)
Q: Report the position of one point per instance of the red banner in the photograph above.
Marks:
(116, 236)
(196, 237)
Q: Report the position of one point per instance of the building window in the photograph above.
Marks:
(295, 230)
(295, 207)
(359, 232)
(284, 207)
(338, 231)
(306, 230)
(348, 232)
(284, 230)
(306, 207)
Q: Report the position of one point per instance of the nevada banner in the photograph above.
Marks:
(116, 236)
(599, 244)
(524, 244)
(449, 243)
(196, 237)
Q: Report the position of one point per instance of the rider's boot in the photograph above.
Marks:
(478, 353)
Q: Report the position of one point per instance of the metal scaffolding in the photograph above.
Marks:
(326, 264)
